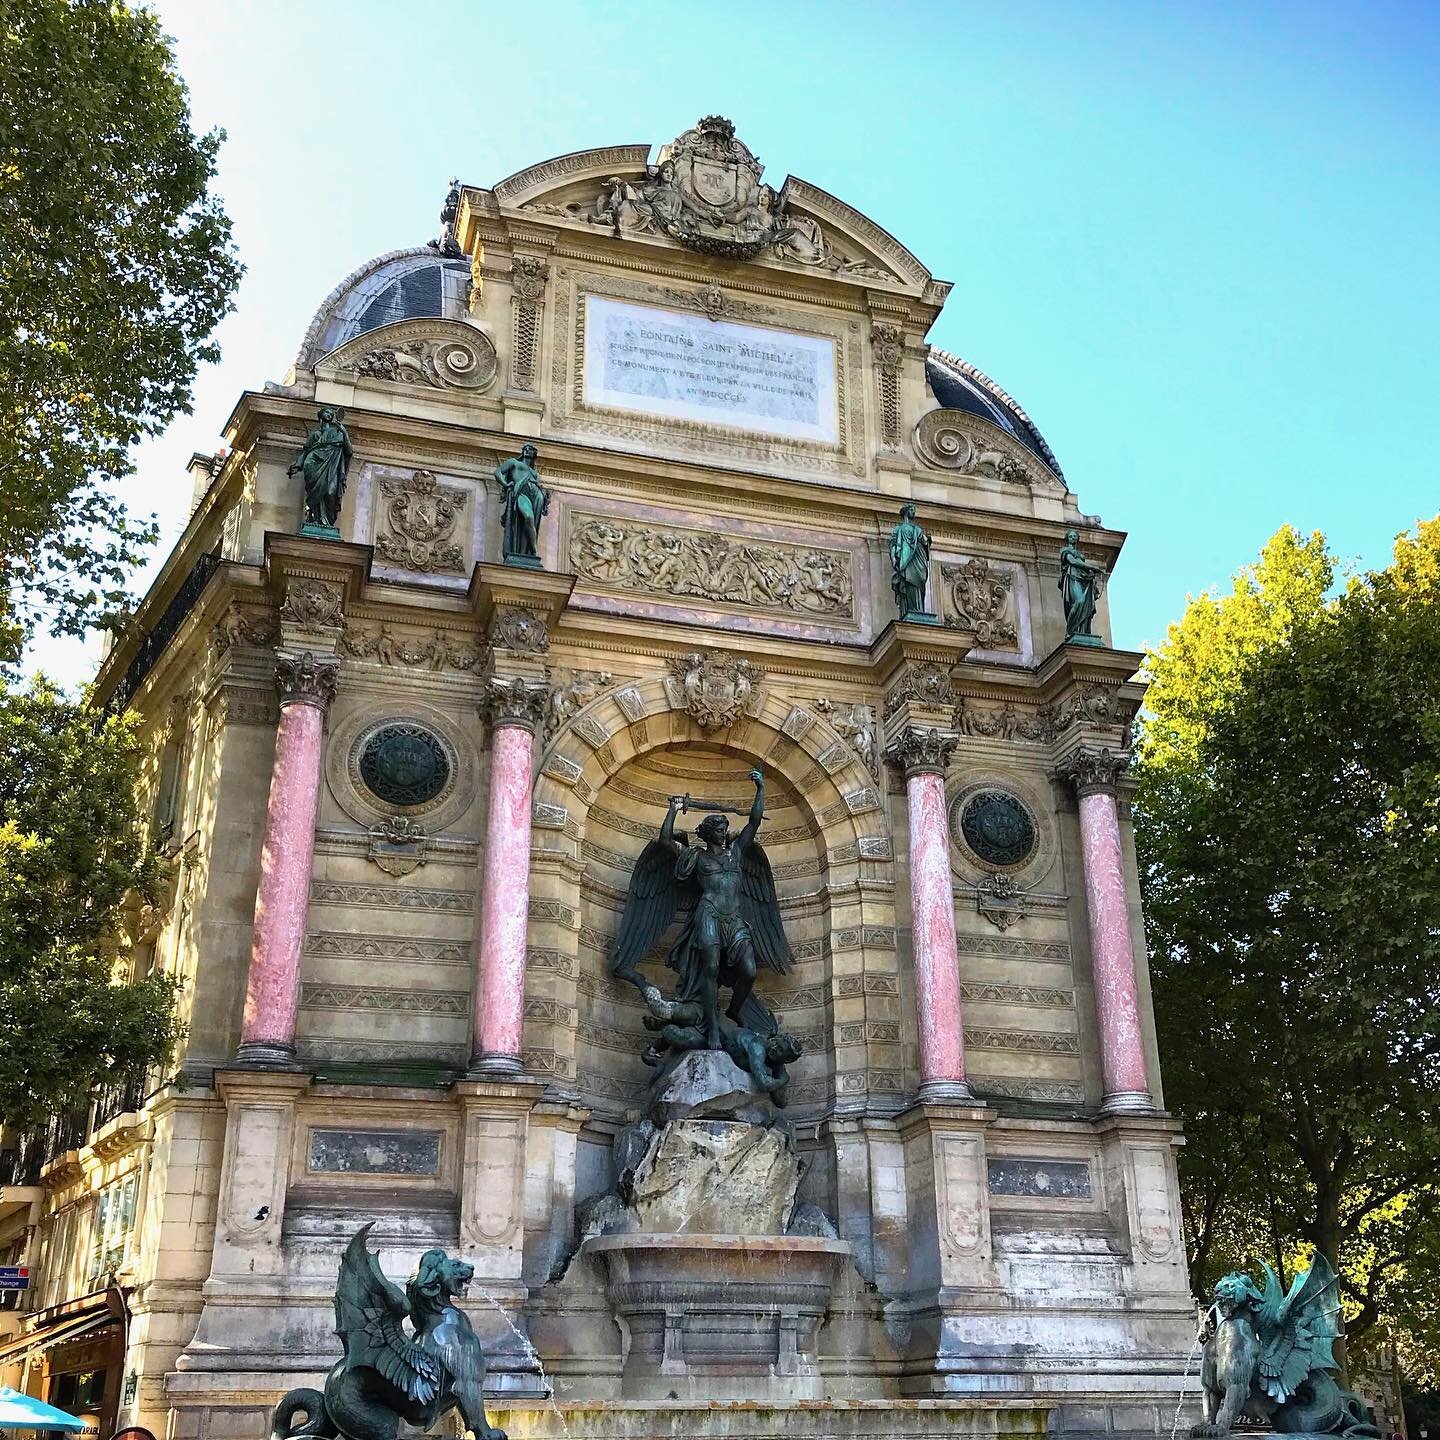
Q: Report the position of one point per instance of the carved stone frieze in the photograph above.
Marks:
(573, 691)
(442, 362)
(714, 689)
(420, 516)
(516, 702)
(306, 679)
(980, 597)
(1090, 704)
(855, 724)
(519, 632)
(1093, 771)
(440, 651)
(918, 751)
(924, 683)
(240, 627)
(629, 555)
(314, 604)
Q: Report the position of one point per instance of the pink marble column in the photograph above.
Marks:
(499, 1004)
(272, 987)
(1094, 773)
(923, 755)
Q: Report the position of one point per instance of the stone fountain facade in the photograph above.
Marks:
(398, 977)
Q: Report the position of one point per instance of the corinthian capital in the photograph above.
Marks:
(1092, 771)
(304, 680)
(922, 752)
(516, 702)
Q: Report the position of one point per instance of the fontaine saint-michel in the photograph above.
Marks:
(643, 493)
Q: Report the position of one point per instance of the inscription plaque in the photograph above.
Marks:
(375, 1152)
(718, 372)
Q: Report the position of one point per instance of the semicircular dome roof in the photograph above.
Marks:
(958, 385)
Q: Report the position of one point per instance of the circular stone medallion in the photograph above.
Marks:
(404, 765)
(998, 828)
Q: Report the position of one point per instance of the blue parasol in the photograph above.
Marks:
(25, 1412)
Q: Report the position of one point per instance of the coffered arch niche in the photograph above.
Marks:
(601, 793)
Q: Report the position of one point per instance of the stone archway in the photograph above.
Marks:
(837, 890)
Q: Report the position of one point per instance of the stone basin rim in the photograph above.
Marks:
(774, 1244)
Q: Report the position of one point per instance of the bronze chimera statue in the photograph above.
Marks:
(390, 1374)
(1269, 1358)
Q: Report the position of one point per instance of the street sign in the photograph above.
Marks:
(14, 1277)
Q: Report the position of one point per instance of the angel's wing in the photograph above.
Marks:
(368, 1315)
(650, 905)
(761, 909)
(1298, 1330)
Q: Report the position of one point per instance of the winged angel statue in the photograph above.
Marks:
(732, 925)
(1269, 1358)
(389, 1374)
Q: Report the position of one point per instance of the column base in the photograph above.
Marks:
(946, 1092)
(265, 1055)
(483, 1067)
(1128, 1102)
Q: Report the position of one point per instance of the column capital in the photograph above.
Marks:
(1093, 771)
(920, 751)
(306, 679)
(518, 702)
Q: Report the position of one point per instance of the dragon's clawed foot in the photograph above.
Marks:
(1208, 1431)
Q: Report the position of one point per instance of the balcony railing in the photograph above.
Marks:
(162, 632)
(25, 1156)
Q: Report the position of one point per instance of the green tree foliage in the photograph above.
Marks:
(1288, 822)
(72, 855)
(115, 267)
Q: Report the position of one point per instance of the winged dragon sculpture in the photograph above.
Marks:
(390, 1374)
(1270, 1356)
(732, 926)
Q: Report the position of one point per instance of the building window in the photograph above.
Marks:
(114, 1227)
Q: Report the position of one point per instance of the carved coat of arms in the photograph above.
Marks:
(714, 689)
(422, 515)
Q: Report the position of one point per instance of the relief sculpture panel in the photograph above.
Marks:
(794, 579)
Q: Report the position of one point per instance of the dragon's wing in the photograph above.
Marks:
(761, 909)
(650, 906)
(1298, 1331)
(368, 1315)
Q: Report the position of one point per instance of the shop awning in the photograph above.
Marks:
(66, 1329)
(25, 1412)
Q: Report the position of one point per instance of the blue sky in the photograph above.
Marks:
(1197, 242)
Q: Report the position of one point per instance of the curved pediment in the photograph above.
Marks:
(431, 353)
(705, 192)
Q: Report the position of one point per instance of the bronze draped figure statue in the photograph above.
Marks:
(1079, 591)
(909, 565)
(524, 503)
(389, 1374)
(324, 465)
(1269, 1357)
(732, 927)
